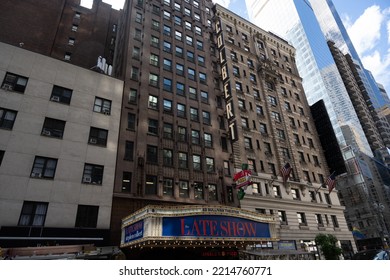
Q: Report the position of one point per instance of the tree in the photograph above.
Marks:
(328, 246)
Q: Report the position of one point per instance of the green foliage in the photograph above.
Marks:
(328, 246)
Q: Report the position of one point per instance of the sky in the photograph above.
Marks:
(367, 23)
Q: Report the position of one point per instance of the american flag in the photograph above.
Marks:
(331, 182)
(286, 170)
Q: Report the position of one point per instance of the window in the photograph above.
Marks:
(129, 150)
(182, 134)
(259, 110)
(183, 189)
(224, 144)
(190, 56)
(102, 106)
(198, 191)
(256, 188)
(210, 165)
(93, 174)
(167, 2)
(202, 78)
(67, 55)
(245, 123)
(132, 96)
(276, 116)
(252, 78)
(201, 60)
(295, 194)
(189, 40)
(206, 118)
(196, 4)
(134, 73)
(238, 87)
(276, 190)
(75, 27)
(151, 154)
(179, 51)
(151, 184)
(248, 143)
(138, 17)
(179, 88)
(153, 80)
(334, 221)
(180, 69)
(44, 167)
(154, 59)
(187, 11)
(137, 34)
(188, 25)
(87, 216)
(156, 9)
(272, 100)
(178, 35)
(208, 140)
(167, 157)
(53, 128)
(168, 187)
(280, 133)
(212, 192)
(167, 47)
(196, 162)
(327, 199)
(98, 136)
(126, 182)
(167, 84)
(319, 220)
(14, 82)
(167, 15)
(252, 165)
(130, 121)
(285, 153)
(204, 96)
(61, 94)
(153, 102)
(167, 30)
(181, 110)
(154, 41)
(301, 219)
(191, 73)
(168, 131)
(226, 168)
(282, 217)
(136, 53)
(192, 93)
(195, 137)
(183, 160)
(167, 106)
(153, 126)
(198, 30)
(33, 213)
(194, 116)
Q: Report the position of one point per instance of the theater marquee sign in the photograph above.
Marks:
(195, 226)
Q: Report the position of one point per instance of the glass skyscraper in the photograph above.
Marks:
(295, 21)
(334, 30)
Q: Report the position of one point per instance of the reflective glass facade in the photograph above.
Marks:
(333, 29)
(295, 21)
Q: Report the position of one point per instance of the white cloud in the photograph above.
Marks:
(379, 65)
(223, 3)
(365, 31)
(388, 32)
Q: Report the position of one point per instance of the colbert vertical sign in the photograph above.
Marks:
(226, 82)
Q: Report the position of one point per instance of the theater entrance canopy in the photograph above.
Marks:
(196, 226)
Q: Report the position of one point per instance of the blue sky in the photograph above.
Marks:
(367, 23)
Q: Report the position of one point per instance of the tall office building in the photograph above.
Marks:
(295, 21)
(334, 30)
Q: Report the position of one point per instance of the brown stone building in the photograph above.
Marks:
(61, 29)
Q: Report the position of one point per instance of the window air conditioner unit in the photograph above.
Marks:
(46, 132)
(36, 175)
(7, 87)
(87, 179)
(55, 98)
(106, 111)
(93, 141)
